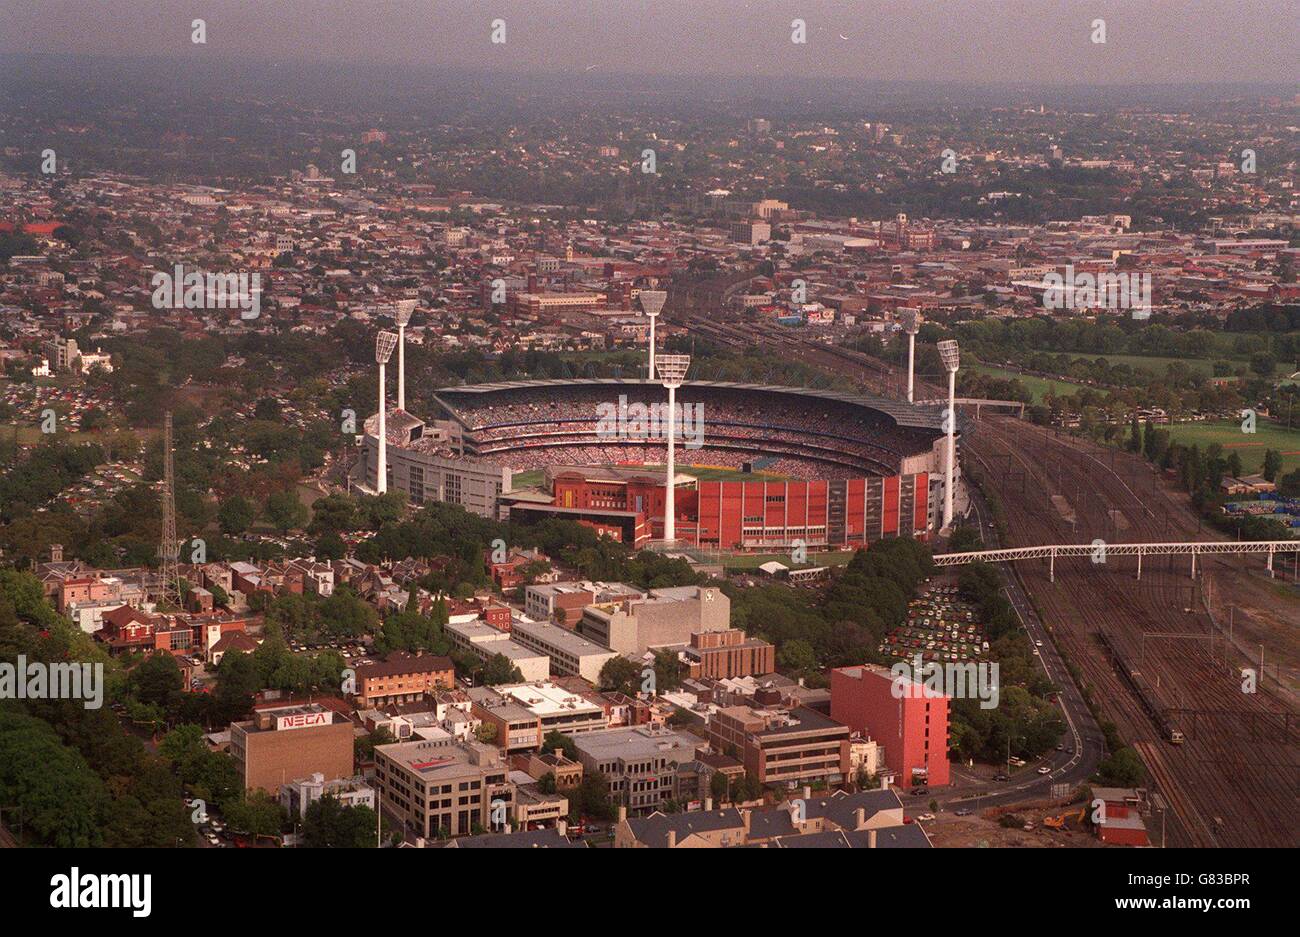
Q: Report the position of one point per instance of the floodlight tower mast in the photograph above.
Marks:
(672, 371)
(403, 315)
(911, 325)
(951, 357)
(385, 342)
(652, 303)
(169, 578)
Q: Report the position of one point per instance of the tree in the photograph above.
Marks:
(1121, 769)
(1289, 485)
(1134, 436)
(498, 669)
(556, 739)
(618, 674)
(331, 825)
(285, 511)
(257, 813)
(797, 657)
(236, 515)
(486, 732)
(157, 680)
(1272, 464)
(719, 788)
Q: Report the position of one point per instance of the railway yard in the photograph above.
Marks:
(1233, 778)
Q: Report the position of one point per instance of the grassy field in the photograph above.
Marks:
(1039, 387)
(1250, 446)
(1203, 367)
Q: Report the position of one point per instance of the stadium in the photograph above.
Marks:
(757, 467)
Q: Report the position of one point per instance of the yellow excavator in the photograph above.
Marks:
(1060, 822)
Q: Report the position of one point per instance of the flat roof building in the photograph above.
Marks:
(570, 654)
(641, 763)
(442, 789)
(286, 742)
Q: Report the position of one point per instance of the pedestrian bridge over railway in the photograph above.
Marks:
(1099, 551)
(977, 402)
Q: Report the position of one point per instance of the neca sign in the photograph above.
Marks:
(302, 720)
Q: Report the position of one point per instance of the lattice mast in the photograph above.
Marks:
(169, 548)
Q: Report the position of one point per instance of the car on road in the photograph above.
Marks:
(962, 812)
(925, 816)
(920, 792)
(1038, 644)
(1045, 769)
(1001, 777)
(1060, 748)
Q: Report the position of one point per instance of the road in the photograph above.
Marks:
(1086, 740)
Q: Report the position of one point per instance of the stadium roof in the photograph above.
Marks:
(902, 413)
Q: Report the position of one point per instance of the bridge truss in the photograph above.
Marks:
(1099, 551)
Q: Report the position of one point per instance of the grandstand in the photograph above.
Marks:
(855, 468)
(806, 433)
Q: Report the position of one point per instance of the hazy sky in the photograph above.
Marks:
(935, 40)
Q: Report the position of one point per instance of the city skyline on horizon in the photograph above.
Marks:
(1212, 44)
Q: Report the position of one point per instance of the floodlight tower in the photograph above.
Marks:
(652, 303)
(672, 371)
(403, 315)
(911, 325)
(385, 342)
(951, 358)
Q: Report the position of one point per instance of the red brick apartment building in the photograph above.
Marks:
(913, 729)
(725, 654)
(403, 678)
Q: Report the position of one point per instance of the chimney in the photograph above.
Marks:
(419, 842)
(672, 838)
(562, 826)
(859, 818)
(871, 839)
(744, 818)
(622, 813)
(708, 804)
(56, 553)
(559, 754)
(807, 792)
(884, 783)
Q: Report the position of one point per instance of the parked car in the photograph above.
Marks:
(1045, 769)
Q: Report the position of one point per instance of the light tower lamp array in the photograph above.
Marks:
(405, 308)
(652, 303)
(671, 372)
(385, 342)
(911, 325)
(951, 358)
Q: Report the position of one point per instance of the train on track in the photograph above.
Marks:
(1143, 690)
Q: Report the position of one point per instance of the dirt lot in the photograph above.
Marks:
(950, 831)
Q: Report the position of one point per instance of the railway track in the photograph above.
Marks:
(1241, 770)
